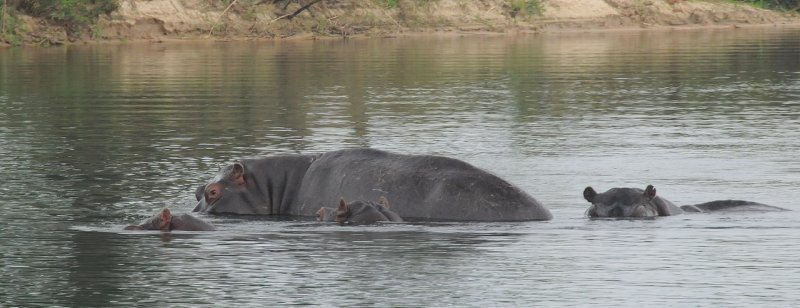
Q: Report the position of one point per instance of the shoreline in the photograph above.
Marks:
(158, 21)
(433, 33)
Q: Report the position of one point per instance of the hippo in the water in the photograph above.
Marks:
(420, 186)
(358, 212)
(634, 202)
(166, 222)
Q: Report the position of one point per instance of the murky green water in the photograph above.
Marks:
(96, 137)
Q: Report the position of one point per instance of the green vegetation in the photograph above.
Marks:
(780, 5)
(74, 15)
(388, 3)
(788, 5)
(526, 7)
(7, 22)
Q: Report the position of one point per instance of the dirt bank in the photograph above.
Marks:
(193, 19)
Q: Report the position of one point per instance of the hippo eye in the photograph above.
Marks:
(213, 192)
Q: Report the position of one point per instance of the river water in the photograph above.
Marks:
(93, 138)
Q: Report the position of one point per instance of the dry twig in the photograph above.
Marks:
(220, 16)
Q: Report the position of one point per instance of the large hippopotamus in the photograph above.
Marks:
(634, 202)
(422, 187)
(358, 212)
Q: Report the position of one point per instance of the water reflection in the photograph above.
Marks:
(96, 137)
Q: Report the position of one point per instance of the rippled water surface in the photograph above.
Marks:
(93, 138)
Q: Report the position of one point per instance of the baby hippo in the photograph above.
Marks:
(166, 222)
(359, 212)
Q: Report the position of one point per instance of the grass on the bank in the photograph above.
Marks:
(783, 5)
(79, 13)
(73, 15)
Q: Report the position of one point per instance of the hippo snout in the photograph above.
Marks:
(616, 212)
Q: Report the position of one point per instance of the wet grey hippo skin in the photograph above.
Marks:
(731, 206)
(420, 186)
(165, 222)
(358, 213)
(634, 202)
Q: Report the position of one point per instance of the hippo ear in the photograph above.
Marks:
(342, 206)
(238, 174)
(342, 211)
(650, 192)
(165, 220)
(383, 202)
(589, 194)
(321, 213)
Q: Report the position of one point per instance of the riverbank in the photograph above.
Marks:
(251, 19)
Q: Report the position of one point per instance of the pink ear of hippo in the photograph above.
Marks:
(650, 192)
(342, 206)
(165, 220)
(238, 174)
(341, 211)
(383, 202)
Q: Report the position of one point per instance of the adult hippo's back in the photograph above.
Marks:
(422, 187)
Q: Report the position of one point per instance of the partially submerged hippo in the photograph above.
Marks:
(359, 212)
(166, 222)
(634, 202)
(420, 186)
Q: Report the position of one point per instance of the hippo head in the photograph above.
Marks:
(229, 192)
(622, 202)
(326, 214)
(166, 222)
(358, 212)
(161, 221)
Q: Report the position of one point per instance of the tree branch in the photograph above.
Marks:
(220, 16)
(292, 15)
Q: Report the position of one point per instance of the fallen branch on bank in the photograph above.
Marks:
(220, 16)
(300, 10)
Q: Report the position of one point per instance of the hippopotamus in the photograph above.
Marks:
(166, 222)
(423, 187)
(383, 207)
(359, 212)
(634, 202)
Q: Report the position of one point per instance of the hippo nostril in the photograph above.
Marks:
(615, 212)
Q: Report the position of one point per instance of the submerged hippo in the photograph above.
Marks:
(634, 202)
(166, 222)
(358, 213)
(420, 186)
